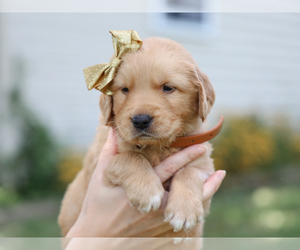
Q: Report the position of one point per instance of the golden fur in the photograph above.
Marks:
(176, 113)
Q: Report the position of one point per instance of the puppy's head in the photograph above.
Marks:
(159, 94)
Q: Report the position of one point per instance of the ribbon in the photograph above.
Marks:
(100, 76)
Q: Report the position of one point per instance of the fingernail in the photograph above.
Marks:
(222, 174)
(202, 149)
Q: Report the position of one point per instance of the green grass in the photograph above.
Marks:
(31, 228)
(263, 212)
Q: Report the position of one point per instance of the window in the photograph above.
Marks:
(188, 18)
(186, 3)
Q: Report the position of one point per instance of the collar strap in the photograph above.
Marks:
(186, 141)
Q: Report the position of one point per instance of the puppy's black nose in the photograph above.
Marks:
(141, 121)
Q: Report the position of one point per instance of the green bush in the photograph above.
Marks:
(247, 144)
(7, 197)
(34, 165)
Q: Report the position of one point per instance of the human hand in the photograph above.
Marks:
(106, 211)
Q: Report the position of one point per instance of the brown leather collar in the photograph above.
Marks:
(186, 141)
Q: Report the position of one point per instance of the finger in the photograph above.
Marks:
(212, 184)
(173, 163)
(110, 148)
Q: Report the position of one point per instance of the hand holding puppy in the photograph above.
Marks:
(106, 211)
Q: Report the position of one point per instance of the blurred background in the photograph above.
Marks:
(48, 118)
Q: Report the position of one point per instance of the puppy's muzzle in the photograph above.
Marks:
(142, 121)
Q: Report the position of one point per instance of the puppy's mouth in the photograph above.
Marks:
(145, 135)
(144, 138)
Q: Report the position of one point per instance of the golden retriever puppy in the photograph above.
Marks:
(159, 94)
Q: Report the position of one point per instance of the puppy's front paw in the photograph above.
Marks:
(184, 213)
(146, 198)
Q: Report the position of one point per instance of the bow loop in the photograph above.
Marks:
(100, 76)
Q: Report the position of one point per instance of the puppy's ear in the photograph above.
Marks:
(206, 93)
(106, 104)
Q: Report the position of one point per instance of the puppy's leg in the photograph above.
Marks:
(185, 208)
(133, 171)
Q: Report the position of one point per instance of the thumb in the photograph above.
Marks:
(110, 148)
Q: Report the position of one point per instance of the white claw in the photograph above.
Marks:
(156, 200)
(145, 209)
(153, 204)
(189, 225)
(200, 219)
(177, 224)
(168, 217)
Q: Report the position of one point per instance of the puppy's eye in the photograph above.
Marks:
(125, 90)
(168, 89)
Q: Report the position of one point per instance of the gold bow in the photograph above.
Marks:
(99, 76)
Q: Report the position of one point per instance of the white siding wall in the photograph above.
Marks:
(253, 63)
